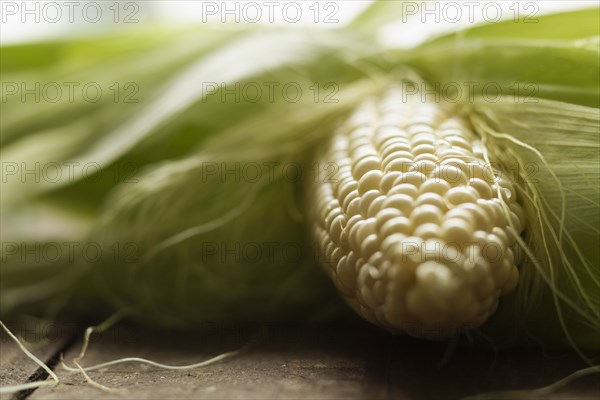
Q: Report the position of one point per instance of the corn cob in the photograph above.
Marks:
(416, 230)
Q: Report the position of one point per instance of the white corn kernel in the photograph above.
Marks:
(418, 230)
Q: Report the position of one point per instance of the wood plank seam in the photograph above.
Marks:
(40, 374)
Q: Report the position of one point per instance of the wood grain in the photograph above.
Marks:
(287, 362)
(44, 339)
(337, 361)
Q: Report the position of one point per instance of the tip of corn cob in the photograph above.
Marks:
(416, 229)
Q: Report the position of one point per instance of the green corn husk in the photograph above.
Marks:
(241, 258)
(169, 147)
(554, 58)
(174, 210)
(559, 186)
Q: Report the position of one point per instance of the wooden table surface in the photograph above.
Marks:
(338, 361)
